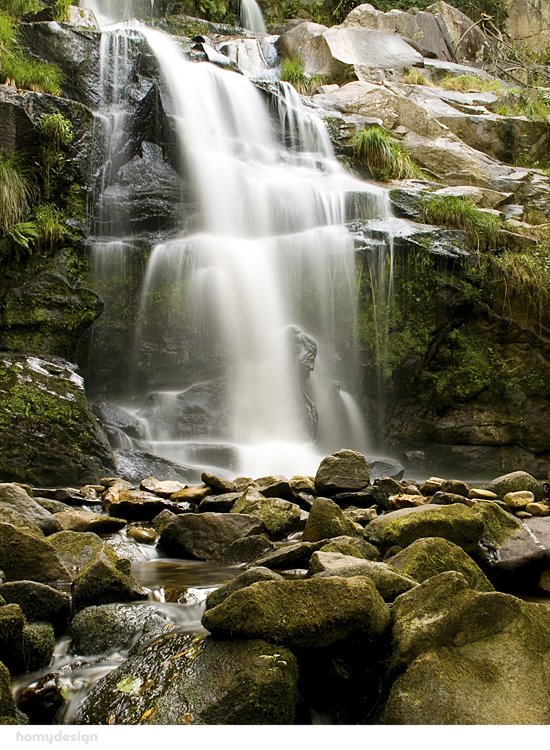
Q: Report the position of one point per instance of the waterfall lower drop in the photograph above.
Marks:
(244, 353)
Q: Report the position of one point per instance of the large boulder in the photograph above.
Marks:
(182, 679)
(135, 505)
(528, 23)
(327, 520)
(39, 602)
(428, 557)
(301, 614)
(457, 523)
(84, 520)
(344, 470)
(516, 481)
(48, 434)
(8, 710)
(114, 627)
(15, 498)
(204, 536)
(470, 657)
(389, 582)
(250, 576)
(104, 580)
(280, 517)
(24, 556)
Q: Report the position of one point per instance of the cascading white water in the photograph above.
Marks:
(251, 16)
(260, 290)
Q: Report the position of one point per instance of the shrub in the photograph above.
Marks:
(384, 158)
(456, 212)
(56, 133)
(292, 71)
(51, 225)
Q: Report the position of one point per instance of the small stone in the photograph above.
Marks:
(161, 488)
(523, 514)
(406, 501)
(537, 509)
(448, 498)
(144, 536)
(432, 485)
(478, 494)
(302, 484)
(455, 486)
(191, 494)
(519, 499)
(218, 484)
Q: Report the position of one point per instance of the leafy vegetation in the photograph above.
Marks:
(384, 158)
(20, 71)
(16, 191)
(19, 8)
(481, 228)
(60, 10)
(50, 224)
(533, 103)
(56, 134)
(292, 71)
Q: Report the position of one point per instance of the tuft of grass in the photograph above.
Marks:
(456, 212)
(51, 225)
(525, 274)
(60, 10)
(16, 192)
(533, 104)
(384, 158)
(416, 77)
(469, 82)
(292, 71)
(19, 8)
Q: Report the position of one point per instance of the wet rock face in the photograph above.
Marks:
(48, 434)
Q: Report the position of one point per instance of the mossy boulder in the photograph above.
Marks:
(246, 549)
(472, 657)
(389, 583)
(290, 556)
(76, 548)
(301, 614)
(25, 556)
(253, 575)
(345, 470)
(112, 627)
(516, 481)
(7, 702)
(457, 523)
(204, 536)
(39, 602)
(83, 520)
(430, 556)
(353, 547)
(12, 624)
(326, 520)
(280, 517)
(14, 498)
(25, 646)
(181, 679)
(105, 580)
(37, 647)
(48, 434)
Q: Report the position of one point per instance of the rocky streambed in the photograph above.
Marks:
(347, 598)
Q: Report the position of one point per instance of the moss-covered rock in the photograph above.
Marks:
(457, 523)
(253, 575)
(103, 581)
(76, 548)
(12, 624)
(83, 520)
(290, 556)
(181, 679)
(204, 536)
(24, 556)
(352, 546)
(428, 557)
(39, 602)
(342, 471)
(280, 517)
(389, 583)
(14, 498)
(516, 481)
(48, 434)
(246, 550)
(112, 627)
(326, 520)
(7, 702)
(473, 658)
(37, 647)
(303, 614)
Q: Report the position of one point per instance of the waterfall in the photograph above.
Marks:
(251, 16)
(243, 350)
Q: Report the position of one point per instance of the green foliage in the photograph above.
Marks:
(384, 158)
(218, 11)
(533, 103)
(416, 77)
(51, 225)
(60, 10)
(292, 71)
(56, 134)
(16, 191)
(469, 82)
(19, 70)
(19, 8)
(456, 212)
(525, 274)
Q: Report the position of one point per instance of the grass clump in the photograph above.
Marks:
(18, 70)
(532, 103)
(50, 225)
(525, 274)
(16, 192)
(456, 212)
(469, 82)
(292, 71)
(416, 77)
(384, 158)
(19, 8)
(56, 134)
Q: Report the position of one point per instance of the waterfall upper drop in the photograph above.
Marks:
(243, 355)
(251, 16)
